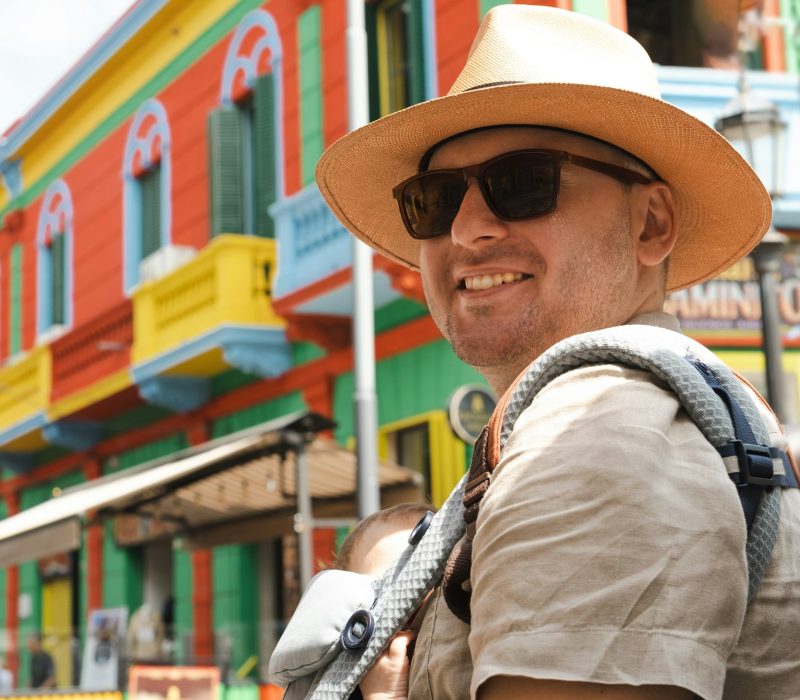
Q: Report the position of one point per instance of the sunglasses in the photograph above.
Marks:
(517, 185)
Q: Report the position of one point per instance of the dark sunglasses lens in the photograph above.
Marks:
(521, 186)
(431, 202)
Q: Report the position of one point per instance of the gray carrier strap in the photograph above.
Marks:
(662, 352)
(668, 356)
(400, 591)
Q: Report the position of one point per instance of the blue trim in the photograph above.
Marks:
(49, 225)
(180, 394)
(429, 49)
(75, 435)
(225, 337)
(234, 63)
(17, 462)
(11, 176)
(24, 427)
(141, 145)
(269, 356)
(312, 244)
(119, 35)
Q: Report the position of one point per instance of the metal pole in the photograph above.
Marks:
(364, 402)
(766, 259)
(303, 518)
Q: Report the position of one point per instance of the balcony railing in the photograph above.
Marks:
(228, 284)
(24, 394)
(93, 351)
(312, 244)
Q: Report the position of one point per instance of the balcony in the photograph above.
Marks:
(209, 315)
(23, 401)
(315, 258)
(91, 362)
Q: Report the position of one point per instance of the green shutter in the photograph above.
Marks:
(15, 295)
(790, 10)
(596, 8)
(150, 184)
(415, 52)
(225, 171)
(311, 118)
(58, 279)
(264, 156)
(371, 22)
(486, 5)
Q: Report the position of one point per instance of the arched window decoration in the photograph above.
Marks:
(147, 217)
(246, 132)
(54, 256)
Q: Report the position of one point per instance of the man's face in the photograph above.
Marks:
(538, 281)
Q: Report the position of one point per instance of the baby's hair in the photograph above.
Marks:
(404, 512)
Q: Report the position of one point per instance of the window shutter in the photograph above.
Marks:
(311, 117)
(15, 295)
(58, 280)
(150, 185)
(225, 171)
(264, 156)
(416, 53)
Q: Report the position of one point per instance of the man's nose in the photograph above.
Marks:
(475, 225)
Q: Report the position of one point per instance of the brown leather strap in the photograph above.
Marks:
(455, 582)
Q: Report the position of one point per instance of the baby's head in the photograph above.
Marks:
(379, 539)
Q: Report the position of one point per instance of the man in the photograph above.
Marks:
(43, 672)
(552, 192)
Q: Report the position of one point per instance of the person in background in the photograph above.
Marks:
(43, 670)
(6, 677)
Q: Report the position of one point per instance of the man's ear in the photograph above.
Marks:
(654, 224)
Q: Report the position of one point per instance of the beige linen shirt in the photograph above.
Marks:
(610, 549)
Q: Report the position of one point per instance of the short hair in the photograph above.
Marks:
(402, 512)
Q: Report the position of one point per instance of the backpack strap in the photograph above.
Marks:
(713, 398)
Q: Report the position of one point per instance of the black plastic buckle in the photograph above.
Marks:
(358, 630)
(748, 475)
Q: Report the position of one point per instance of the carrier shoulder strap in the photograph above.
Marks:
(710, 393)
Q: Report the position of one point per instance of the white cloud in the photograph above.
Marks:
(40, 40)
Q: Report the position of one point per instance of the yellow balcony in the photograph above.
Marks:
(211, 314)
(24, 396)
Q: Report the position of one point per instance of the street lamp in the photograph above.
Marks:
(755, 125)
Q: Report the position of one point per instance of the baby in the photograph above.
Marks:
(371, 548)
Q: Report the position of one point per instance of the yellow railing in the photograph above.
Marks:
(25, 387)
(229, 282)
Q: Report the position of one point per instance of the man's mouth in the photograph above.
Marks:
(481, 282)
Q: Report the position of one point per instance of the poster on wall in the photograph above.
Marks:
(101, 655)
(173, 683)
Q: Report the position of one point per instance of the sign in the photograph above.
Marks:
(173, 683)
(470, 408)
(104, 634)
(732, 302)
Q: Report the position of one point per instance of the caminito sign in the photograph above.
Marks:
(731, 301)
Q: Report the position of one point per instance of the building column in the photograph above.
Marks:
(94, 548)
(202, 576)
(12, 599)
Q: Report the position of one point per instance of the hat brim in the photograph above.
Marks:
(722, 208)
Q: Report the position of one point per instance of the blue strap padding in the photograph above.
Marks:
(756, 471)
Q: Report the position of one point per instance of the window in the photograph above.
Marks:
(147, 185)
(244, 133)
(54, 260)
(685, 32)
(397, 70)
(427, 445)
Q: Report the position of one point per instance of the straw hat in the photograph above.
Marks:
(542, 66)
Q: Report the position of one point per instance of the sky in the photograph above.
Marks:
(40, 40)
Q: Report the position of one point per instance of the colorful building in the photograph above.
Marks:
(170, 276)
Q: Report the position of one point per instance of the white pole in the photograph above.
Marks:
(364, 402)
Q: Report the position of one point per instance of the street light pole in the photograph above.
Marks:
(767, 259)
